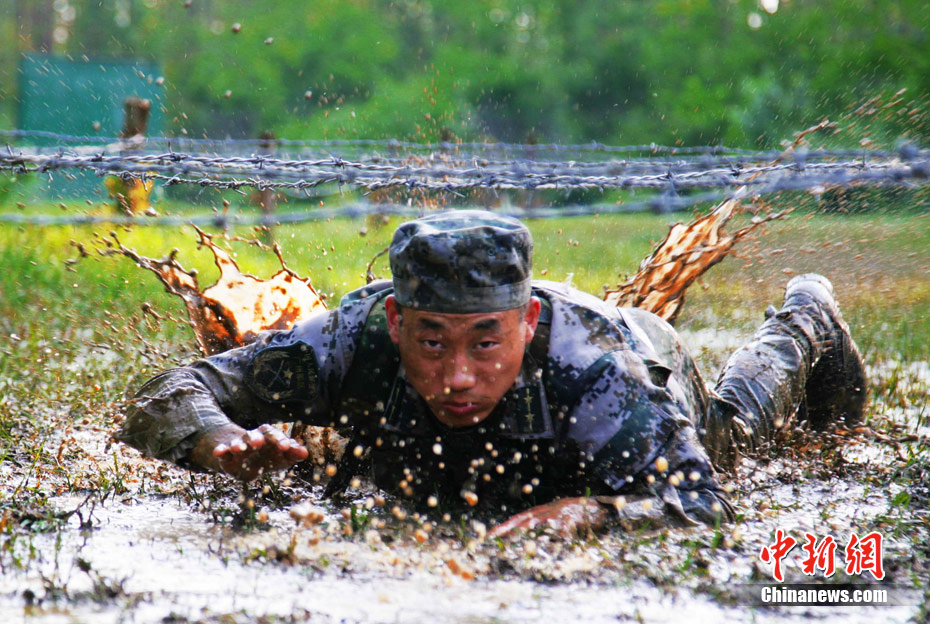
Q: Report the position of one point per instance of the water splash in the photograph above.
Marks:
(687, 252)
(231, 312)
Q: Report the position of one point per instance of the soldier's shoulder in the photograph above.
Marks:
(566, 294)
(356, 307)
(570, 297)
(580, 331)
(584, 328)
(368, 294)
(336, 329)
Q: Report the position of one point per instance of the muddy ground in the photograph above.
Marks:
(132, 540)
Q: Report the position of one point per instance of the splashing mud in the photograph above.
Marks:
(231, 312)
(687, 252)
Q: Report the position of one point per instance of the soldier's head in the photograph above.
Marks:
(462, 311)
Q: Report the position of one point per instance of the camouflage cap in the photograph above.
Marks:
(462, 262)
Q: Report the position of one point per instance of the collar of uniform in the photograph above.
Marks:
(405, 412)
(523, 412)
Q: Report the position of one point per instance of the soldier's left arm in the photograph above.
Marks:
(683, 494)
(640, 453)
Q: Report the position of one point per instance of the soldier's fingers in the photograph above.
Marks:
(277, 438)
(566, 529)
(499, 531)
(290, 448)
(270, 429)
(238, 446)
(503, 530)
(296, 452)
(254, 439)
(220, 450)
(520, 522)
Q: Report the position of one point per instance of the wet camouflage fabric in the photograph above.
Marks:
(462, 261)
(596, 404)
(801, 365)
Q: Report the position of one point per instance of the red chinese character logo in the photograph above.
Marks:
(819, 556)
(778, 551)
(865, 554)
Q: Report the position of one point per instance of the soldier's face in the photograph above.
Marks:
(462, 364)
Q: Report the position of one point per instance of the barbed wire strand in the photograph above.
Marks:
(673, 181)
(66, 159)
(265, 172)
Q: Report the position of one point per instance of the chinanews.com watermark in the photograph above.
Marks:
(860, 557)
(831, 595)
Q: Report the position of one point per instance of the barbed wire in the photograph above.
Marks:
(271, 165)
(62, 158)
(672, 180)
(265, 172)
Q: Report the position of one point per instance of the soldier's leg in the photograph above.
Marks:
(801, 358)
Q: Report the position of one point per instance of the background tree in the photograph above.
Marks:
(743, 72)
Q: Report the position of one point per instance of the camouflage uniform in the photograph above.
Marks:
(603, 394)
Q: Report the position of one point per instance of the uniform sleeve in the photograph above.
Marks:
(635, 439)
(692, 475)
(167, 415)
(289, 375)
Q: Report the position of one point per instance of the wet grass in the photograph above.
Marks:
(73, 339)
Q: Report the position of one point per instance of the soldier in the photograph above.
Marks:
(465, 383)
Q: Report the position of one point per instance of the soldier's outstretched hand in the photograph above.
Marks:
(246, 454)
(569, 517)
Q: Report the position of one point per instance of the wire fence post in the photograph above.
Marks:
(135, 117)
(267, 197)
(132, 195)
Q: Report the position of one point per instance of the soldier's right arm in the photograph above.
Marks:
(282, 376)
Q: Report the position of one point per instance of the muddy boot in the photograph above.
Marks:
(837, 386)
(802, 354)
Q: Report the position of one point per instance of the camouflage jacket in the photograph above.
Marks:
(606, 399)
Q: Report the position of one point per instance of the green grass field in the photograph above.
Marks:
(879, 262)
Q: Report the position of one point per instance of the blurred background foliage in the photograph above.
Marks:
(738, 72)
